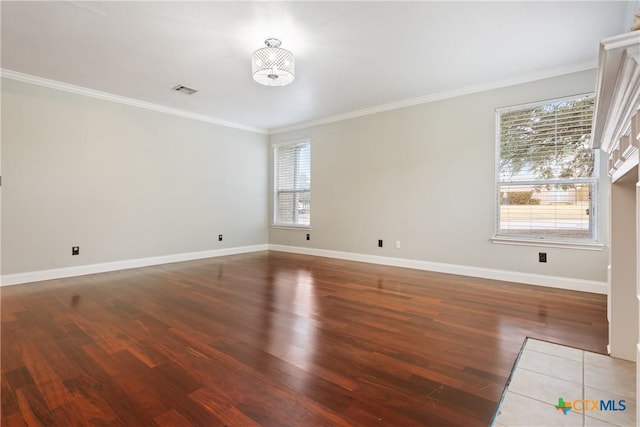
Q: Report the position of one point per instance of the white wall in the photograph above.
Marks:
(121, 182)
(126, 183)
(424, 175)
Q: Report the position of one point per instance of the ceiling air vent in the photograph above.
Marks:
(184, 89)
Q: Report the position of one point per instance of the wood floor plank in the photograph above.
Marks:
(14, 420)
(82, 412)
(33, 408)
(9, 403)
(171, 418)
(275, 339)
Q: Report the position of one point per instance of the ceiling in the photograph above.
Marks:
(350, 55)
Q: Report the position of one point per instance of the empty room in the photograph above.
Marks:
(340, 213)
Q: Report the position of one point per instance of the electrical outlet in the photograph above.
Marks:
(308, 236)
(219, 237)
(380, 243)
(542, 257)
(397, 244)
(75, 250)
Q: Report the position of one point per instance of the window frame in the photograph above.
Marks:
(593, 241)
(274, 152)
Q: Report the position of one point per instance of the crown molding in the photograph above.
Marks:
(525, 78)
(439, 96)
(105, 96)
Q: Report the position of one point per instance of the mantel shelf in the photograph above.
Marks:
(617, 90)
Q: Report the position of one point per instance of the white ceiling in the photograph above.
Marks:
(349, 55)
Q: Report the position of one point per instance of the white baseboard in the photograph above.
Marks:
(485, 273)
(58, 273)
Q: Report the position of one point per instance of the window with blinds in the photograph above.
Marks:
(292, 189)
(546, 171)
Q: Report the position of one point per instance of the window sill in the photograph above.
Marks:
(291, 227)
(545, 243)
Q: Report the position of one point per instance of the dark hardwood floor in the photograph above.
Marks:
(275, 339)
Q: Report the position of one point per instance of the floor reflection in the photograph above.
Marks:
(288, 326)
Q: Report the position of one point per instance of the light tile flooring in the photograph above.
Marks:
(546, 372)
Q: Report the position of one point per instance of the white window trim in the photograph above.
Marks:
(588, 244)
(595, 246)
(274, 224)
(290, 227)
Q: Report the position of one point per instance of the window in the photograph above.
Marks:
(292, 187)
(547, 172)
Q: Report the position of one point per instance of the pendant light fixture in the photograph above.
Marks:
(273, 65)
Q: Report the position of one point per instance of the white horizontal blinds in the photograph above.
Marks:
(546, 171)
(293, 184)
(549, 141)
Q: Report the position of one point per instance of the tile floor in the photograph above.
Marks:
(546, 372)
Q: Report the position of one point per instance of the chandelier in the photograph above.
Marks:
(272, 65)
